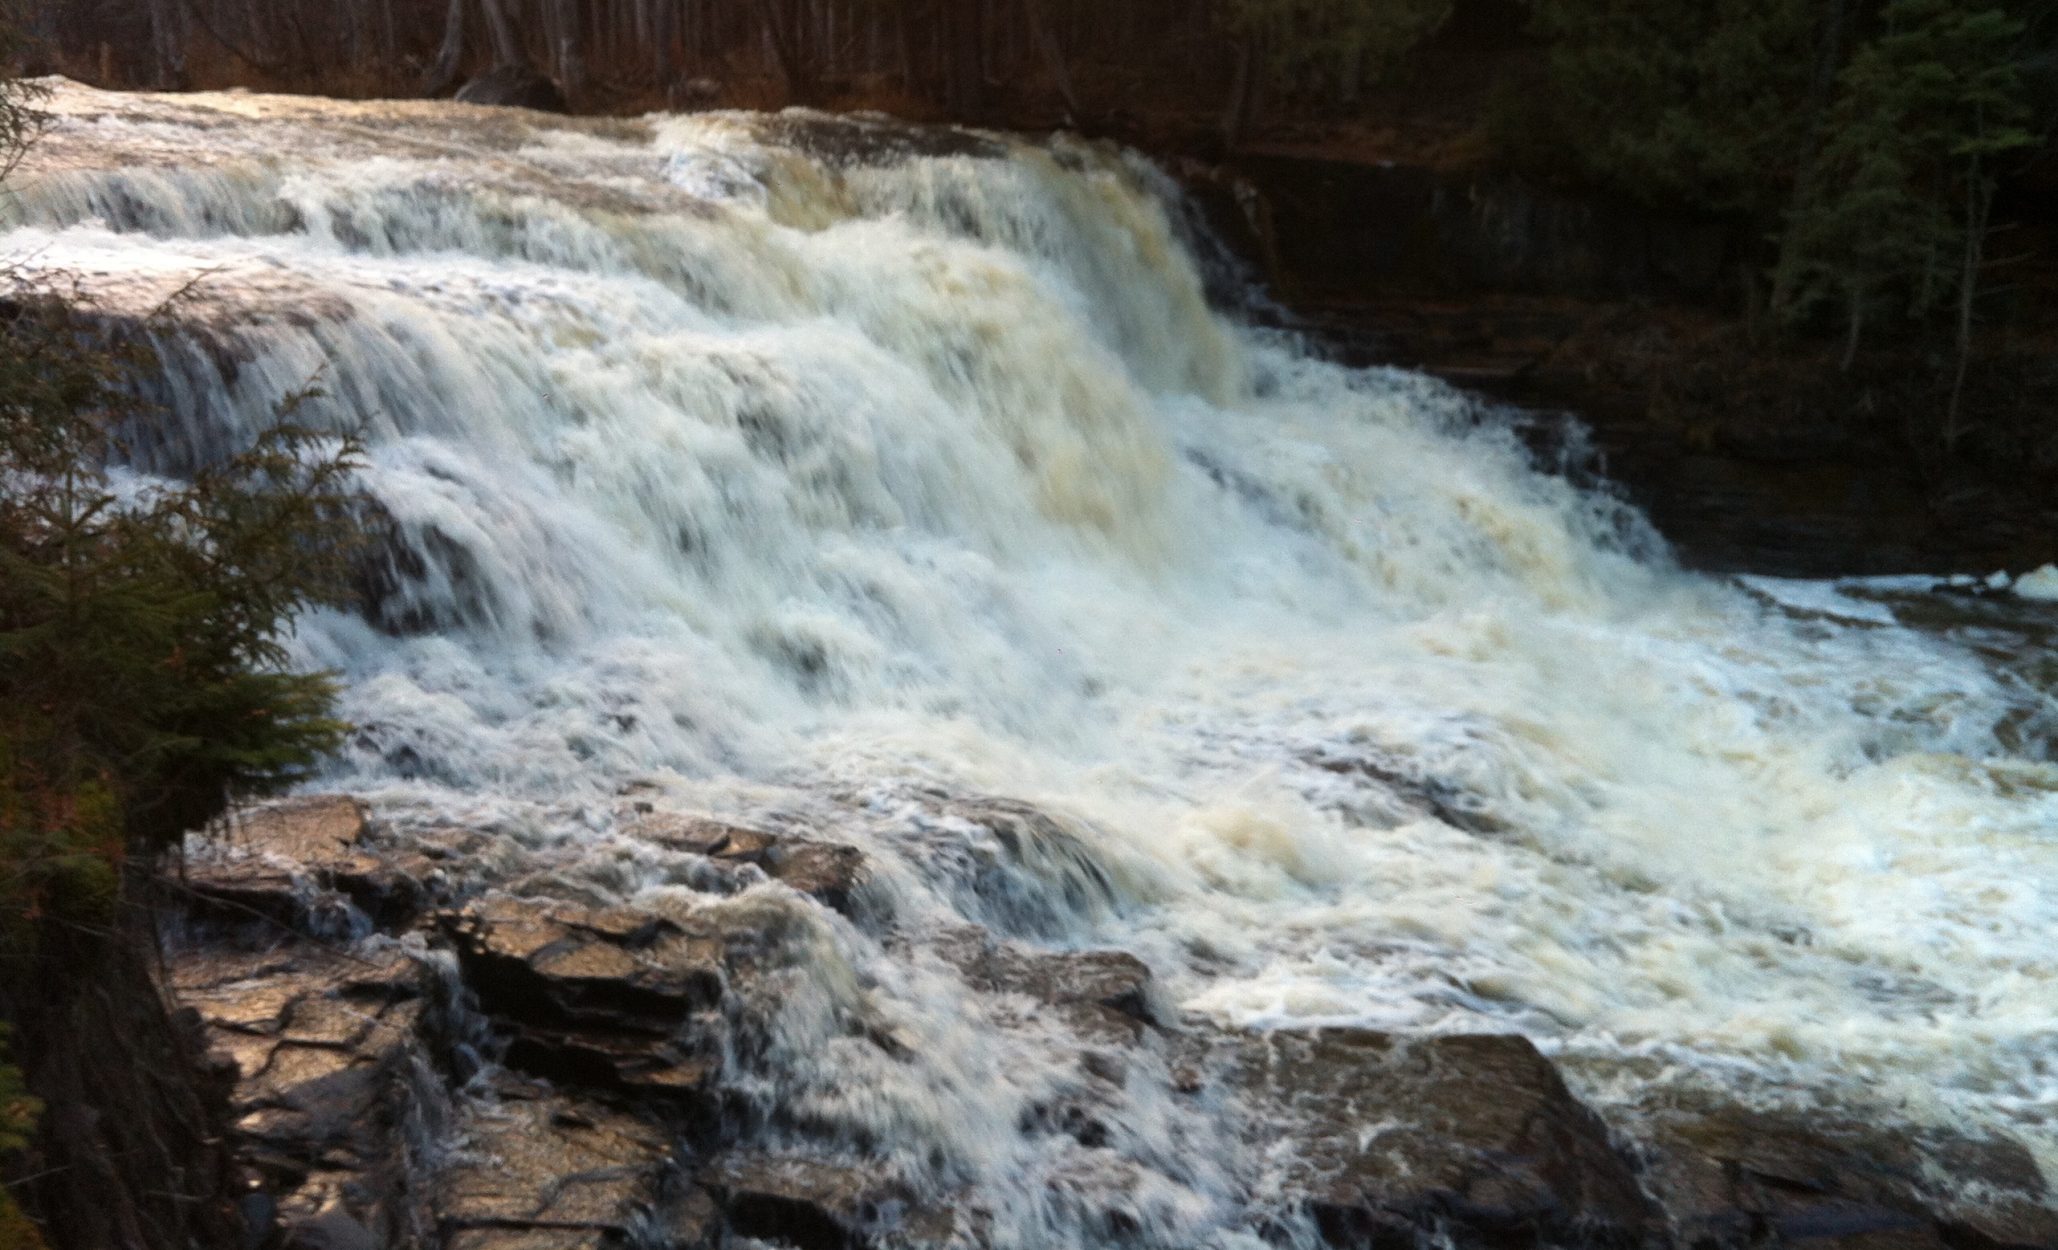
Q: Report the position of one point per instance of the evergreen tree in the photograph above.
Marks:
(1325, 48)
(1893, 219)
(1700, 102)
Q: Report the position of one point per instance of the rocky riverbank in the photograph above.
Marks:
(438, 1038)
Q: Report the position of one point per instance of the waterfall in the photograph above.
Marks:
(819, 470)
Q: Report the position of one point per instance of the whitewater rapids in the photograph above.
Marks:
(816, 471)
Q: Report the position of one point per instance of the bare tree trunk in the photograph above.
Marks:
(507, 49)
(1053, 57)
(663, 32)
(964, 74)
(450, 57)
(1243, 94)
(564, 45)
(1855, 329)
(1978, 205)
(1828, 62)
(168, 44)
(785, 25)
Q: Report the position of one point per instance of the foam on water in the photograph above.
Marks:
(804, 467)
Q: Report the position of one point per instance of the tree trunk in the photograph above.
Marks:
(168, 44)
(1978, 205)
(1242, 112)
(450, 57)
(1856, 327)
(964, 75)
(507, 49)
(784, 24)
(1053, 57)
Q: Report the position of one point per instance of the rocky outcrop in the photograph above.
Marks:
(326, 1047)
(594, 998)
(515, 86)
(813, 1205)
(1751, 452)
(1346, 227)
(1731, 1178)
(826, 871)
(426, 1052)
(1475, 1134)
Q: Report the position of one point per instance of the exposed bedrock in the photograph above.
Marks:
(437, 1046)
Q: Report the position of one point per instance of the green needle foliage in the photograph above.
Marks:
(142, 678)
(1327, 47)
(1891, 219)
(1677, 101)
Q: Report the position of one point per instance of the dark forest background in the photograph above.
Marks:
(1888, 165)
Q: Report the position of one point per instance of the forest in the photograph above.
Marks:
(1882, 151)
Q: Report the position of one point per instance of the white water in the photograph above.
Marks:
(804, 489)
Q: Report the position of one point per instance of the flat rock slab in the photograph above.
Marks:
(558, 1171)
(272, 863)
(323, 1045)
(1104, 995)
(563, 967)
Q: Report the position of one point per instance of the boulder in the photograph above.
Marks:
(1389, 1138)
(598, 999)
(561, 967)
(1731, 1177)
(1103, 995)
(332, 1230)
(515, 86)
(816, 1205)
(283, 864)
(829, 872)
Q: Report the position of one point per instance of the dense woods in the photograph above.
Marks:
(1870, 142)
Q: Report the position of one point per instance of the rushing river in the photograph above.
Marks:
(813, 471)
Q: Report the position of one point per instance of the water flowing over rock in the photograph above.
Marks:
(883, 717)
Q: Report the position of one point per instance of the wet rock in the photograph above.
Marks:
(264, 862)
(536, 1168)
(560, 967)
(331, 1230)
(598, 999)
(816, 1205)
(515, 86)
(531, 1239)
(1475, 1134)
(1103, 994)
(276, 865)
(1730, 1178)
(1415, 795)
(653, 1074)
(1015, 867)
(827, 871)
(323, 1046)
(691, 1221)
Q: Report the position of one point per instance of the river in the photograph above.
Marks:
(817, 472)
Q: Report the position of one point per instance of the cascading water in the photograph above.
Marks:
(823, 472)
